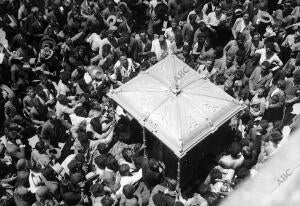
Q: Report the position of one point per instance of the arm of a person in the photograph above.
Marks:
(108, 138)
(136, 177)
(195, 47)
(101, 136)
(205, 8)
(233, 29)
(251, 86)
(68, 110)
(262, 108)
(278, 61)
(228, 45)
(37, 122)
(197, 32)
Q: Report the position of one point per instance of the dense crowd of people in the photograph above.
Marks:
(64, 142)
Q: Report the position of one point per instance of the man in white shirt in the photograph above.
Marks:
(216, 17)
(171, 32)
(210, 6)
(161, 47)
(95, 41)
(126, 178)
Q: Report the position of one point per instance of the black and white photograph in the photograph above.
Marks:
(149, 102)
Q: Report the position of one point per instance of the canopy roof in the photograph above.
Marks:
(176, 104)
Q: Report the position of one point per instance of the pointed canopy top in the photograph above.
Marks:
(176, 104)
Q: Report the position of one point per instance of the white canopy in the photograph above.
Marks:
(176, 104)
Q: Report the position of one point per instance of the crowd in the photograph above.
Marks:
(64, 142)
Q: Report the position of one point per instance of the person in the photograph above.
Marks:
(161, 47)
(242, 25)
(258, 103)
(275, 101)
(125, 69)
(268, 54)
(39, 158)
(260, 77)
(234, 159)
(172, 31)
(207, 70)
(210, 7)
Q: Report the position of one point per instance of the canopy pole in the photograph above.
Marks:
(144, 141)
(178, 172)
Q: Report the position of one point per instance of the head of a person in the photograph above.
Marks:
(83, 139)
(210, 63)
(193, 18)
(107, 201)
(124, 170)
(255, 58)
(49, 173)
(276, 137)
(112, 164)
(296, 76)
(202, 26)
(152, 58)
(198, 10)
(215, 174)
(143, 36)
(100, 161)
(219, 52)
(270, 48)
(218, 10)
(39, 91)
(96, 125)
(62, 99)
(102, 147)
(174, 24)
(261, 91)
(229, 60)
(76, 177)
(263, 124)
(159, 199)
(65, 77)
(106, 49)
(170, 183)
(215, 2)
(240, 39)
(97, 190)
(234, 150)
(71, 198)
(256, 36)
(40, 147)
(81, 111)
(52, 116)
(201, 38)
(127, 154)
(265, 67)
(246, 17)
(281, 84)
(161, 38)
(128, 191)
(240, 56)
(124, 61)
(153, 164)
(246, 151)
(30, 91)
(22, 165)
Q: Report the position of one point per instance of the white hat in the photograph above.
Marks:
(296, 109)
